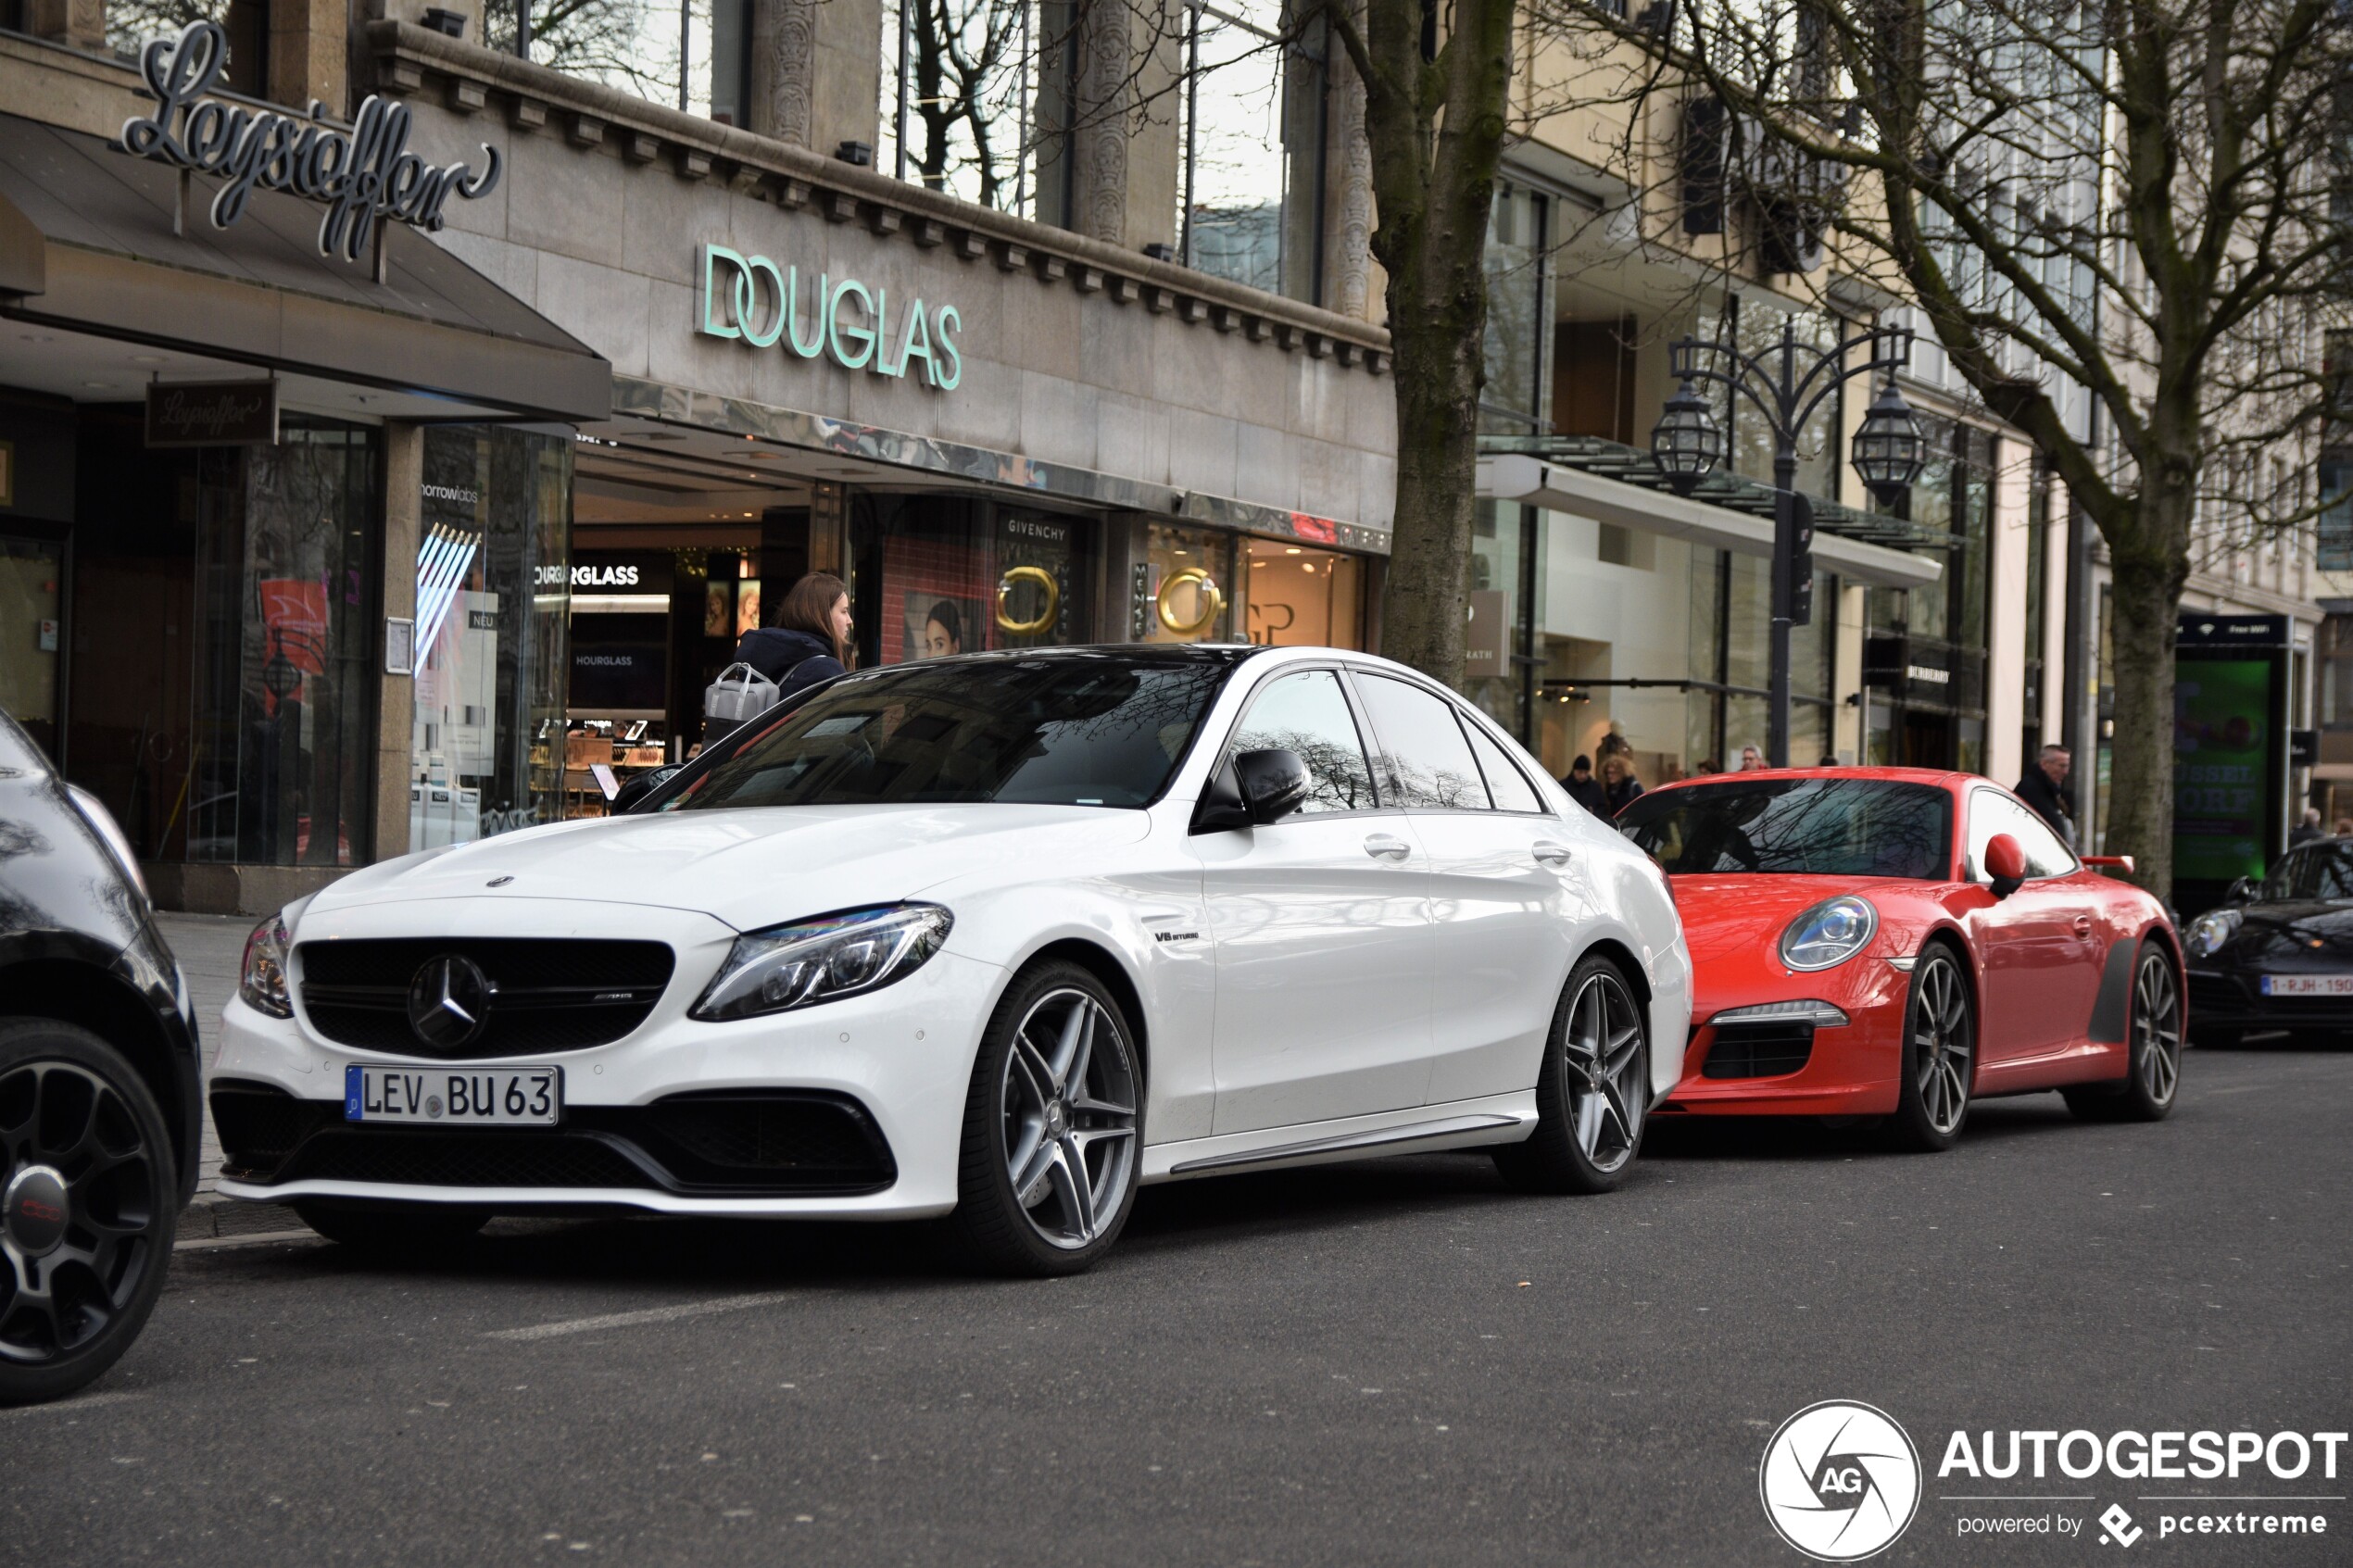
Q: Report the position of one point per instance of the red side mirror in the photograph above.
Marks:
(2004, 861)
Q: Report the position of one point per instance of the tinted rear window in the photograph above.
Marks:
(1830, 827)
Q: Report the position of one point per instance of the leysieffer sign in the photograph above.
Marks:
(364, 173)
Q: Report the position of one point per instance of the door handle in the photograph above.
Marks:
(1386, 846)
(1549, 853)
(2082, 926)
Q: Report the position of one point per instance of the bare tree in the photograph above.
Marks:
(2123, 222)
(1437, 82)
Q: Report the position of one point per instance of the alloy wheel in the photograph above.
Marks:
(1602, 1039)
(2157, 1029)
(78, 1199)
(1069, 1121)
(1944, 1044)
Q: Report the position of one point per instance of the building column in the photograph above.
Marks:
(78, 24)
(396, 701)
(2005, 616)
(1125, 158)
(307, 51)
(816, 71)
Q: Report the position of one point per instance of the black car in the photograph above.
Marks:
(99, 1111)
(2279, 954)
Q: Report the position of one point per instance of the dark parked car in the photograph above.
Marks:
(2279, 954)
(99, 1110)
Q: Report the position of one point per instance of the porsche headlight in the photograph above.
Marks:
(263, 982)
(1829, 934)
(823, 960)
(2210, 931)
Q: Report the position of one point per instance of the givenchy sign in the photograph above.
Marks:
(365, 174)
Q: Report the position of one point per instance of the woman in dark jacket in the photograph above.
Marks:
(810, 641)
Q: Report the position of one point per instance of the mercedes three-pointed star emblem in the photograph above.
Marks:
(450, 1001)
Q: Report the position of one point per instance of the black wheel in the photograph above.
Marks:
(88, 1208)
(1592, 1091)
(2153, 1065)
(404, 1230)
(1939, 1055)
(1053, 1128)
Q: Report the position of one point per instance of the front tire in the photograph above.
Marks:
(1053, 1128)
(1940, 1056)
(89, 1202)
(1593, 1092)
(2153, 1066)
(390, 1229)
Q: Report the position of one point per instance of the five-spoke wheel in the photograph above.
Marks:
(1594, 1095)
(87, 1206)
(1940, 1054)
(1053, 1127)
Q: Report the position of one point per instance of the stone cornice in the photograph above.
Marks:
(469, 78)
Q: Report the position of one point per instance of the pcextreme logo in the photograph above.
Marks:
(1840, 1481)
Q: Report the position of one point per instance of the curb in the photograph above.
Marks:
(212, 1215)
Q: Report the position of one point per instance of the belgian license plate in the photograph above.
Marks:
(2308, 984)
(498, 1096)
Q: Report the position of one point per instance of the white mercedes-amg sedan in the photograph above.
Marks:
(1000, 937)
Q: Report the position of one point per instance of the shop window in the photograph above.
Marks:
(33, 614)
(1251, 118)
(486, 734)
(941, 575)
(694, 56)
(1517, 313)
(1185, 588)
(1499, 666)
(1300, 597)
(130, 23)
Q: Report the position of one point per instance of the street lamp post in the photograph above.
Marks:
(1889, 453)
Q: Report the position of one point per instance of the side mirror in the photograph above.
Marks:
(643, 785)
(2004, 863)
(1274, 784)
(2242, 891)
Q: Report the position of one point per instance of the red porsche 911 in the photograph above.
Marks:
(1886, 942)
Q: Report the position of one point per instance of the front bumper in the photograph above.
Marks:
(879, 1081)
(1854, 1069)
(2233, 999)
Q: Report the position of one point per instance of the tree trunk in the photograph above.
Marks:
(1440, 370)
(2145, 601)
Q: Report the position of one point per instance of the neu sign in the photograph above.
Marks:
(845, 321)
(365, 174)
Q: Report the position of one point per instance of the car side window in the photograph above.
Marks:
(1506, 783)
(1425, 763)
(1990, 814)
(1308, 713)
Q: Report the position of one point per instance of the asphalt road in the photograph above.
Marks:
(1387, 1362)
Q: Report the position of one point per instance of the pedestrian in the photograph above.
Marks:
(2308, 830)
(2345, 827)
(1620, 786)
(1751, 760)
(1583, 788)
(1829, 760)
(1706, 765)
(809, 641)
(2044, 789)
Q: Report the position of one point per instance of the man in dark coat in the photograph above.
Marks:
(1583, 787)
(2044, 789)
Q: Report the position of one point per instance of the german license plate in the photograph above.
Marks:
(2308, 984)
(499, 1096)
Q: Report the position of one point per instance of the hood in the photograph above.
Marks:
(2303, 928)
(749, 867)
(1725, 916)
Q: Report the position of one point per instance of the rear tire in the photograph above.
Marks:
(1940, 1056)
(391, 1229)
(1592, 1090)
(92, 1203)
(2153, 1051)
(1053, 1128)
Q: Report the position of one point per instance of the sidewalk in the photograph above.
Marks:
(212, 951)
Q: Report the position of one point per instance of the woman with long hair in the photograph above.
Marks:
(808, 642)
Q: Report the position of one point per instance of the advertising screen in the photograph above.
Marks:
(2222, 771)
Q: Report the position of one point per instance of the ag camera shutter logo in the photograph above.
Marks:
(1840, 1481)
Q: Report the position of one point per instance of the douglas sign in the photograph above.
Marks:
(364, 174)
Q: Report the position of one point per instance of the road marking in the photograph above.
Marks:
(651, 1314)
(87, 1402)
(209, 1243)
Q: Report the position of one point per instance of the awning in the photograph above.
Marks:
(1532, 481)
(86, 244)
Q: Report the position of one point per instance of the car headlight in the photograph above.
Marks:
(1830, 933)
(263, 982)
(820, 960)
(2210, 931)
(1821, 1015)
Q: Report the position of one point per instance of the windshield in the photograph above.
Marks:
(2325, 871)
(1064, 731)
(1827, 827)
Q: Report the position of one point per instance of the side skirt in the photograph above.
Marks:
(1463, 1124)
